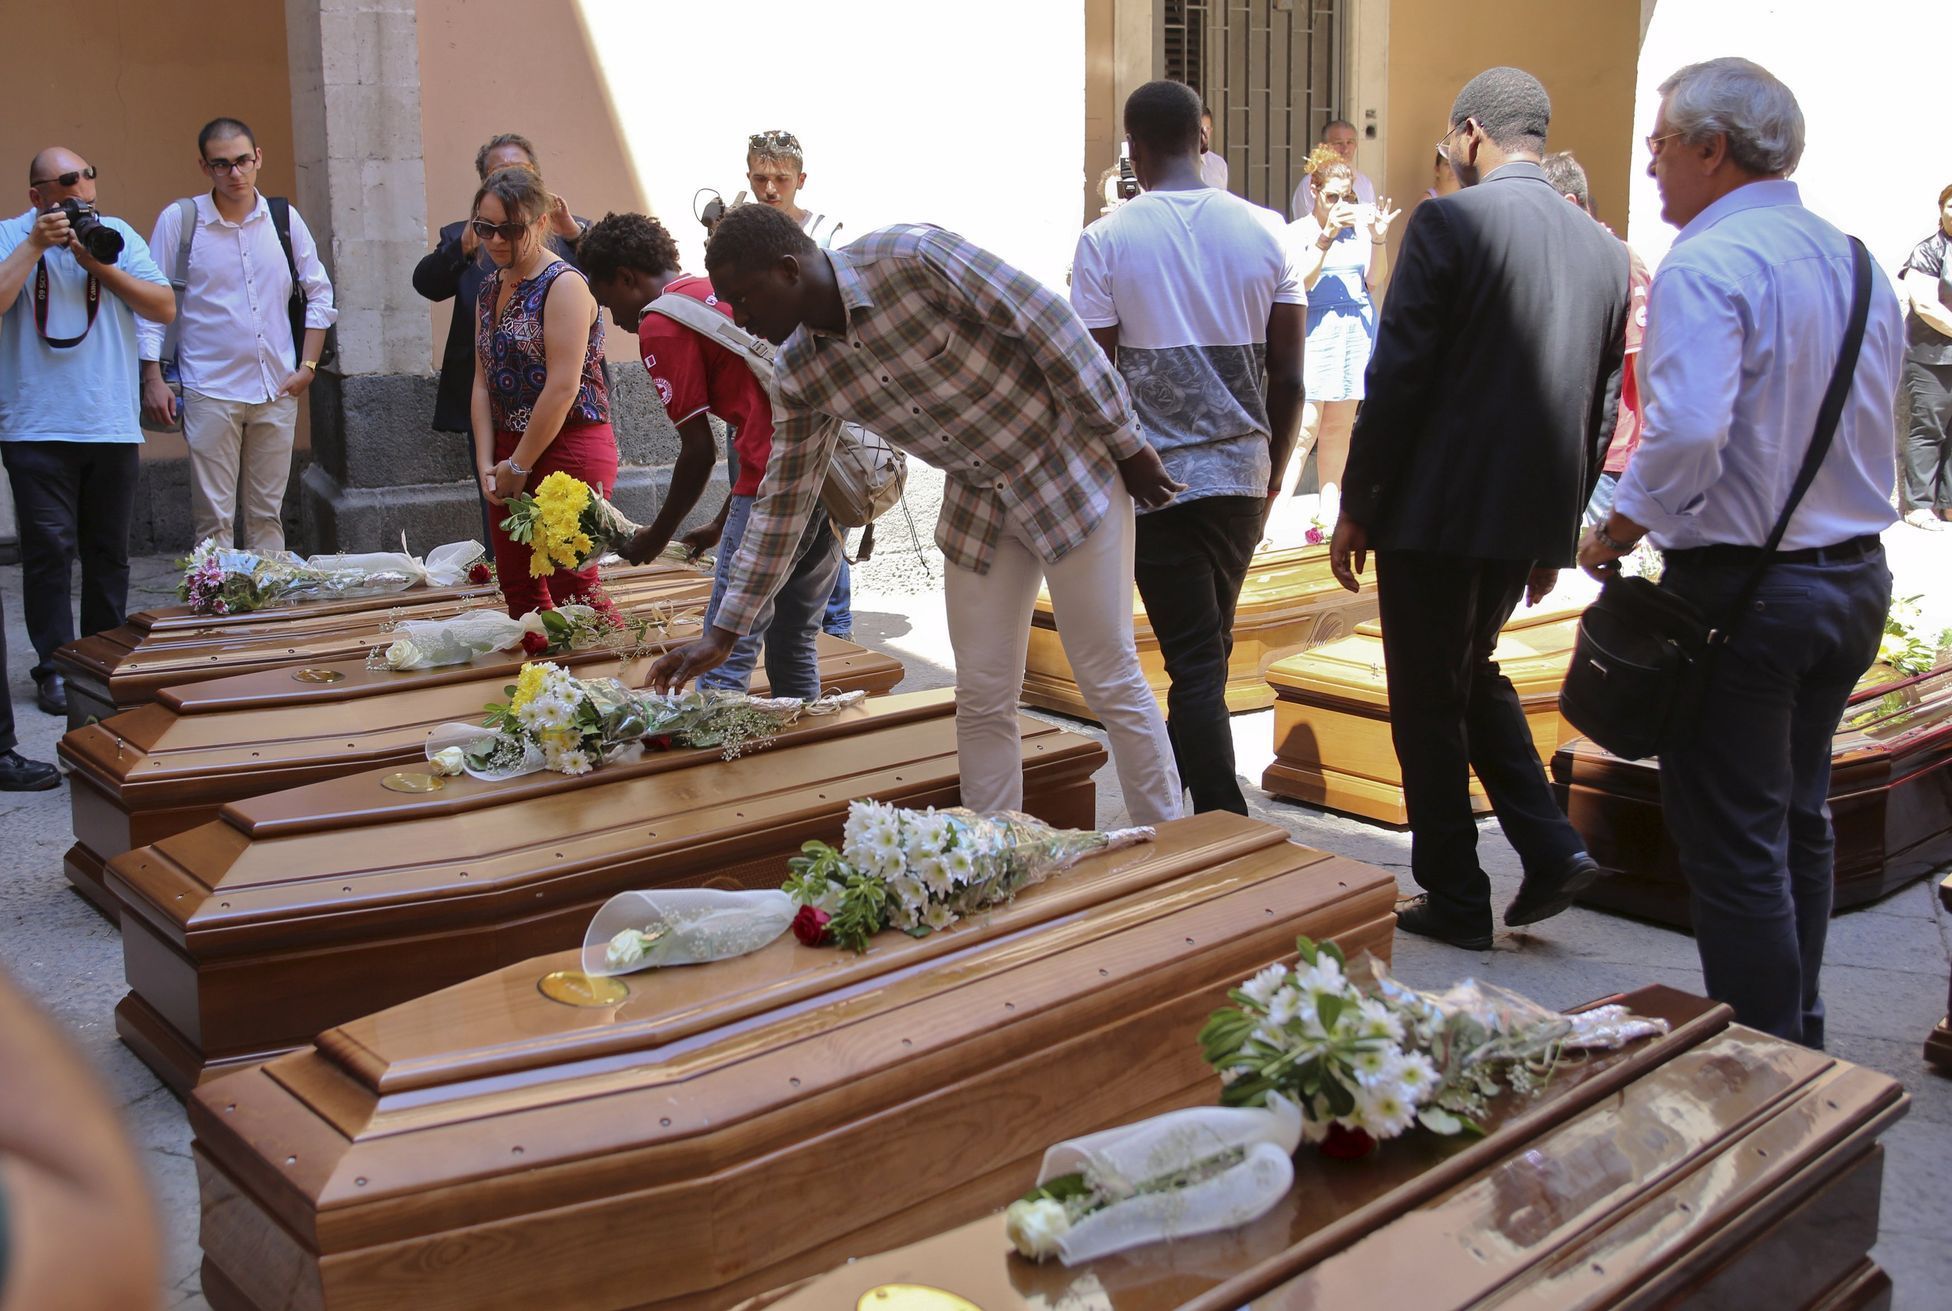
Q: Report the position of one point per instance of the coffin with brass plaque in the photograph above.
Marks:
(1289, 602)
(168, 766)
(300, 909)
(722, 1128)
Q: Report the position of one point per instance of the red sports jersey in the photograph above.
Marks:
(1626, 431)
(693, 373)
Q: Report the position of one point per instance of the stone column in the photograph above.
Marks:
(377, 467)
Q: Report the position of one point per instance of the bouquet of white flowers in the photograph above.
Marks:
(555, 721)
(220, 581)
(922, 870)
(458, 639)
(1367, 1062)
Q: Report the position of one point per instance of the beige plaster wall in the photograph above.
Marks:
(1582, 50)
(160, 71)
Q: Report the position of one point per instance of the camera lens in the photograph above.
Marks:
(97, 237)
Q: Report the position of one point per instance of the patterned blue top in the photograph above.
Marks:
(511, 352)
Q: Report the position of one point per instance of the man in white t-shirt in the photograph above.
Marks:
(1213, 164)
(1194, 295)
(1339, 136)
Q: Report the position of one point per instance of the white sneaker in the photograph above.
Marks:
(1925, 519)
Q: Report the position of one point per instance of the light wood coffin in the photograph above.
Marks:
(1938, 1043)
(168, 766)
(1713, 1168)
(128, 666)
(731, 1125)
(1332, 742)
(1288, 602)
(309, 907)
(1890, 803)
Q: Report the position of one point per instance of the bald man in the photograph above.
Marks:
(69, 396)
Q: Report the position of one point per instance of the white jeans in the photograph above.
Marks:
(1091, 597)
(239, 445)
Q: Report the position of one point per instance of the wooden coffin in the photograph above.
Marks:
(128, 666)
(1713, 1168)
(306, 908)
(1938, 1043)
(168, 766)
(1332, 742)
(1289, 602)
(1890, 803)
(729, 1126)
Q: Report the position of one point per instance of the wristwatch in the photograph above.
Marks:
(313, 365)
(1611, 543)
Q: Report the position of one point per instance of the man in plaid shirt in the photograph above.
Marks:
(978, 368)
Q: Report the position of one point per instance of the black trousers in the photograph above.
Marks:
(1927, 460)
(72, 499)
(1452, 711)
(1189, 561)
(8, 739)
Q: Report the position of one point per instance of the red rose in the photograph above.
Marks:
(810, 925)
(1344, 1144)
(662, 742)
(1313, 537)
(535, 644)
(481, 572)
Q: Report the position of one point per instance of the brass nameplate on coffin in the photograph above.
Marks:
(318, 675)
(405, 782)
(575, 988)
(912, 1297)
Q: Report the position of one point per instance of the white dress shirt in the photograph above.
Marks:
(1744, 322)
(1304, 199)
(1213, 169)
(234, 336)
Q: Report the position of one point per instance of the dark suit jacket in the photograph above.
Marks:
(445, 271)
(1495, 381)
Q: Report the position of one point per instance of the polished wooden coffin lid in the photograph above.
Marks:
(1634, 1171)
(126, 666)
(262, 731)
(299, 909)
(1289, 601)
(720, 1118)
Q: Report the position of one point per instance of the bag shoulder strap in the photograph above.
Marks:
(179, 278)
(1827, 417)
(706, 321)
(281, 223)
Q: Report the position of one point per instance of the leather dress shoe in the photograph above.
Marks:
(19, 774)
(1416, 915)
(51, 694)
(1541, 896)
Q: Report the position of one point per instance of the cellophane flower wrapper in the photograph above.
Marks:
(455, 640)
(922, 870)
(681, 926)
(222, 581)
(1197, 1171)
(566, 524)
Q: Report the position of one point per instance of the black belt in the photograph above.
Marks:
(1723, 553)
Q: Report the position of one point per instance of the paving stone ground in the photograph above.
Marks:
(1885, 979)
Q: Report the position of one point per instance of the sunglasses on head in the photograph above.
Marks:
(67, 179)
(237, 165)
(767, 141)
(508, 232)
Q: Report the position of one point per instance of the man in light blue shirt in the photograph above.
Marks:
(68, 400)
(1745, 320)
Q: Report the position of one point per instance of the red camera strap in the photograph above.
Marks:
(40, 307)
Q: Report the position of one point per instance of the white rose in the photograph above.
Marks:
(627, 948)
(1035, 1228)
(401, 654)
(450, 761)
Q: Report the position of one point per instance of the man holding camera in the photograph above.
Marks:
(256, 305)
(72, 283)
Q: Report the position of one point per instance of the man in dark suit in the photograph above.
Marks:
(1491, 398)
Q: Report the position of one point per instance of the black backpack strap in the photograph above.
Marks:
(295, 306)
(1827, 417)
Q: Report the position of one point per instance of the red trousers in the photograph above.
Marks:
(589, 452)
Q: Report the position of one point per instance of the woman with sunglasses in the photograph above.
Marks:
(540, 404)
(1341, 253)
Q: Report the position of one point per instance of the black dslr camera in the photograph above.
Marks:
(97, 237)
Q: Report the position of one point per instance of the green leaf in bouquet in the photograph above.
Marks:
(1341, 1098)
(1334, 953)
(1439, 1121)
(1061, 1189)
(1306, 946)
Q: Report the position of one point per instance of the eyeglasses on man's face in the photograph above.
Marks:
(237, 165)
(68, 179)
(509, 232)
(1443, 142)
(1654, 143)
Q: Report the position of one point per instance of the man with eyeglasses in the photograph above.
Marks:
(255, 304)
(68, 397)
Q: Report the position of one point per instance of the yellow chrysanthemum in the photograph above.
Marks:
(528, 684)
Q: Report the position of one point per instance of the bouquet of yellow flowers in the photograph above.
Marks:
(565, 523)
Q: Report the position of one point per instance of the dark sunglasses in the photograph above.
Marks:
(66, 179)
(769, 141)
(508, 232)
(239, 164)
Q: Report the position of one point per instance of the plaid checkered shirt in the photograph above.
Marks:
(957, 359)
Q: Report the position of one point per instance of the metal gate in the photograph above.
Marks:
(1271, 71)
